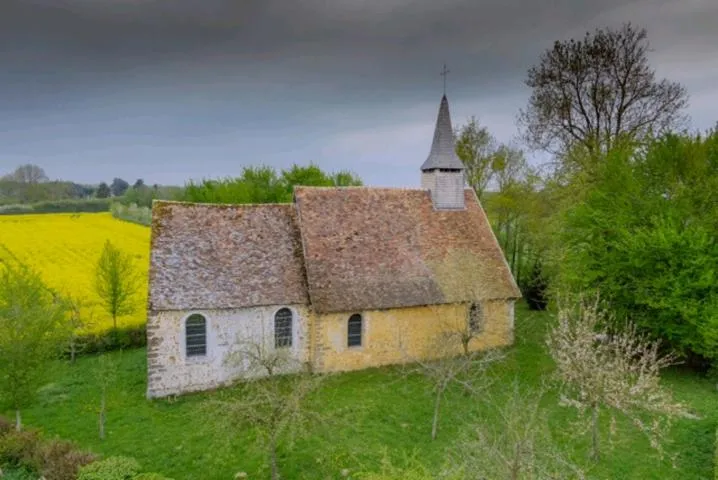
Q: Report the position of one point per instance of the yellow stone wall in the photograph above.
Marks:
(403, 334)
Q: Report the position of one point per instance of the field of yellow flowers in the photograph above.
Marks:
(65, 248)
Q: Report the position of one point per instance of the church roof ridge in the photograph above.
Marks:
(442, 154)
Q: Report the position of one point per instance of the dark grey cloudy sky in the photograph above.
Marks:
(168, 90)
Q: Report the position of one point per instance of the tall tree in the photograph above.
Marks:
(475, 146)
(116, 282)
(593, 92)
(119, 187)
(27, 174)
(103, 191)
(32, 329)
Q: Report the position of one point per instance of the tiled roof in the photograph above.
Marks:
(376, 248)
(443, 154)
(225, 256)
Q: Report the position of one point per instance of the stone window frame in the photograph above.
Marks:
(476, 324)
(196, 358)
(292, 328)
(362, 331)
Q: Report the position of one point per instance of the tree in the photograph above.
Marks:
(32, 329)
(103, 191)
(105, 376)
(119, 187)
(139, 183)
(76, 321)
(475, 147)
(276, 405)
(511, 439)
(603, 365)
(116, 282)
(593, 92)
(27, 174)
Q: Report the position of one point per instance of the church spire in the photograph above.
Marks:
(442, 154)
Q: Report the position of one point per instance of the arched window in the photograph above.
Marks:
(283, 328)
(476, 318)
(196, 335)
(354, 331)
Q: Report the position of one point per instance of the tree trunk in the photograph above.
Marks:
(18, 420)
(595, 455)
(102, 417)
(516, 464)
(72, 350)
(437, 404)
(273, 456)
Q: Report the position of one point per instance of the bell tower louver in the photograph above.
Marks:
(443, 172)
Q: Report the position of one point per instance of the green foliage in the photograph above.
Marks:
(263, 185)
(111, 468)
(116, 282)
(17, 449)
(715, 461)
(122, 338)
(32, 327)
(57, 206)
(641, 228)
(103, 191)
(143, 195)
(132, 213)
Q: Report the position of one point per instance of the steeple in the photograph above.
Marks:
(443, 171)
(442, 153)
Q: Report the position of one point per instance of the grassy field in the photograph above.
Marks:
(65, 248)
(374, 415)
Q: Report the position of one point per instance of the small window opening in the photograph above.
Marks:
(196, 335)
(354, 331)
(283, 328)
(476, 318)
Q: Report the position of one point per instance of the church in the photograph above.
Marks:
(342, 278)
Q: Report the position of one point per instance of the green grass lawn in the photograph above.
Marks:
(373, 415)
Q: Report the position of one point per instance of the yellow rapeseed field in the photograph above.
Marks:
(65, 247)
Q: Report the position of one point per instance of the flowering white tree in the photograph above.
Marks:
(602, 367)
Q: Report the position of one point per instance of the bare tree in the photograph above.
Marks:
(116, 282)
(105, 375)
(600, 366)
(515, 446)
(593, 92)
(27, 174)
(275, 403)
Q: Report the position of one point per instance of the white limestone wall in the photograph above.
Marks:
(171, 372)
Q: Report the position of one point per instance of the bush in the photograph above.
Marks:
(17, 449)
(110, 340)
(715, 461)
(132, 213)
(111, 468)
(5, 426)
(61, 460)
(58, 206)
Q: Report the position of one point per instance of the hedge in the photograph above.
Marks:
(132, 213)
(109, 340)
(58, 206)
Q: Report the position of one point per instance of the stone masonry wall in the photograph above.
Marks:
(400, 335)
(171, 372)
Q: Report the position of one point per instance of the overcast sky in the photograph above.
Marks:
(168, 90)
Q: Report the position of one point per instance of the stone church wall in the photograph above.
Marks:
(170, 371)
(405, 334)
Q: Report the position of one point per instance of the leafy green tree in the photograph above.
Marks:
(119, 187)
(32, 331)
(103, 191)
(641, 228)
(116, 282)
(475, 147)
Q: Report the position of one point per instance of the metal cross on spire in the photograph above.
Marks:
(443, 73)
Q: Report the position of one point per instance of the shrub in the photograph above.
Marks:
(107, 341)
(715, 461)
(58, 206)
(17, 449)
(61, 460)
(132, 213)
(111, 468)
(5, 426)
